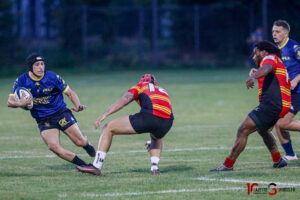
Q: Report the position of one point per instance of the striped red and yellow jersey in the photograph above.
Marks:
(152, 99)
(275, 88)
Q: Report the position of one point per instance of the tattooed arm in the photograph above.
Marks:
(118, 105)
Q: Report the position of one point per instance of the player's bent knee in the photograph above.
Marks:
(104, 127)
(54, 147)
(109, 129)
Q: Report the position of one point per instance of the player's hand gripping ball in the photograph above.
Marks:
(20, 91)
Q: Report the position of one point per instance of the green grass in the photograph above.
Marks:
(208, 108)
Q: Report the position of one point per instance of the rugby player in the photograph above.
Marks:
(155, 117)
(291, 60)
(49, 109)
(275, 102)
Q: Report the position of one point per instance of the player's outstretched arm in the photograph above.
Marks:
(118, 105)
(12, 103)
(75, 100)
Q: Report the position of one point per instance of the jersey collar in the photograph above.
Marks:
(287, 40)
(35, 79)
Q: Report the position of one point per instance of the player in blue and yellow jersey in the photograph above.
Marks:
(155, 117)
(49, 109)
(291, 59)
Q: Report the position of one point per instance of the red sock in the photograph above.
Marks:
(276, 157)
(228, 162)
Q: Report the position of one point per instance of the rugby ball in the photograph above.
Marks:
(19, 92)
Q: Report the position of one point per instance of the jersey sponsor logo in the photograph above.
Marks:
(43, 100)
(286, 58)
(47, 124)
(47, 90)
(63, 122)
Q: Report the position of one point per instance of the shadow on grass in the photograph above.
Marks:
(17, 175)
(61, 167)
(177, 168)
(293, 164)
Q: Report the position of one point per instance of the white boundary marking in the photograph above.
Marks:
(293, 184)
(93, 195)
(134, 151)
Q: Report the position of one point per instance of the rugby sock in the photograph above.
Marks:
(90, 149)
(229, 163)
(77, 161)
(100, 156)
(154, 163)
(288, 148)
(276, 157)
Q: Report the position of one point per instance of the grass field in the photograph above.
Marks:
(208, 107)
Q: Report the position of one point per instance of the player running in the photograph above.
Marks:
(275, 102)
(155, 117)
(291, 60)
(49, 110)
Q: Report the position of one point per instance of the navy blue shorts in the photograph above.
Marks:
(295, 103)
(61, 120)
(264, 116)
(143, 122)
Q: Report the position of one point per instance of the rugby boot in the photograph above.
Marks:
(222, 167)
(280, 164)
(89, 169)
(287, 157)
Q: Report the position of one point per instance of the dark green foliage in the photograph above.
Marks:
(6, 32)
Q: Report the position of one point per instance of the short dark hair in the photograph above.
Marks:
(283, 24)
(268, 47)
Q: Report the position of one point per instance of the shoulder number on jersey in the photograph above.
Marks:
(152, 89)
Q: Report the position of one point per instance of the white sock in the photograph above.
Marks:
(100, 156)
(154, 163)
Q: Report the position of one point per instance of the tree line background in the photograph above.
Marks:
(116, 34)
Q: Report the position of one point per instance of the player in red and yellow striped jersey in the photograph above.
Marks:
(152, 99)
(275, 102)
(155, 117)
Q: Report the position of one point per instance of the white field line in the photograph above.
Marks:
(291, 184)
(93, 195)
(136, 151)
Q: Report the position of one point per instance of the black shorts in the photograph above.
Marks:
(264, 117)
(147, 123)
(295, 103)
(61, 120)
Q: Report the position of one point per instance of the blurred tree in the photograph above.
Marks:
(7, 39)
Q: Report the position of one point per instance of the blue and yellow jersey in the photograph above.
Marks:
(291, 60)
(47, 92)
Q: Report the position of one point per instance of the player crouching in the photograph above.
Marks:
(155, 117)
